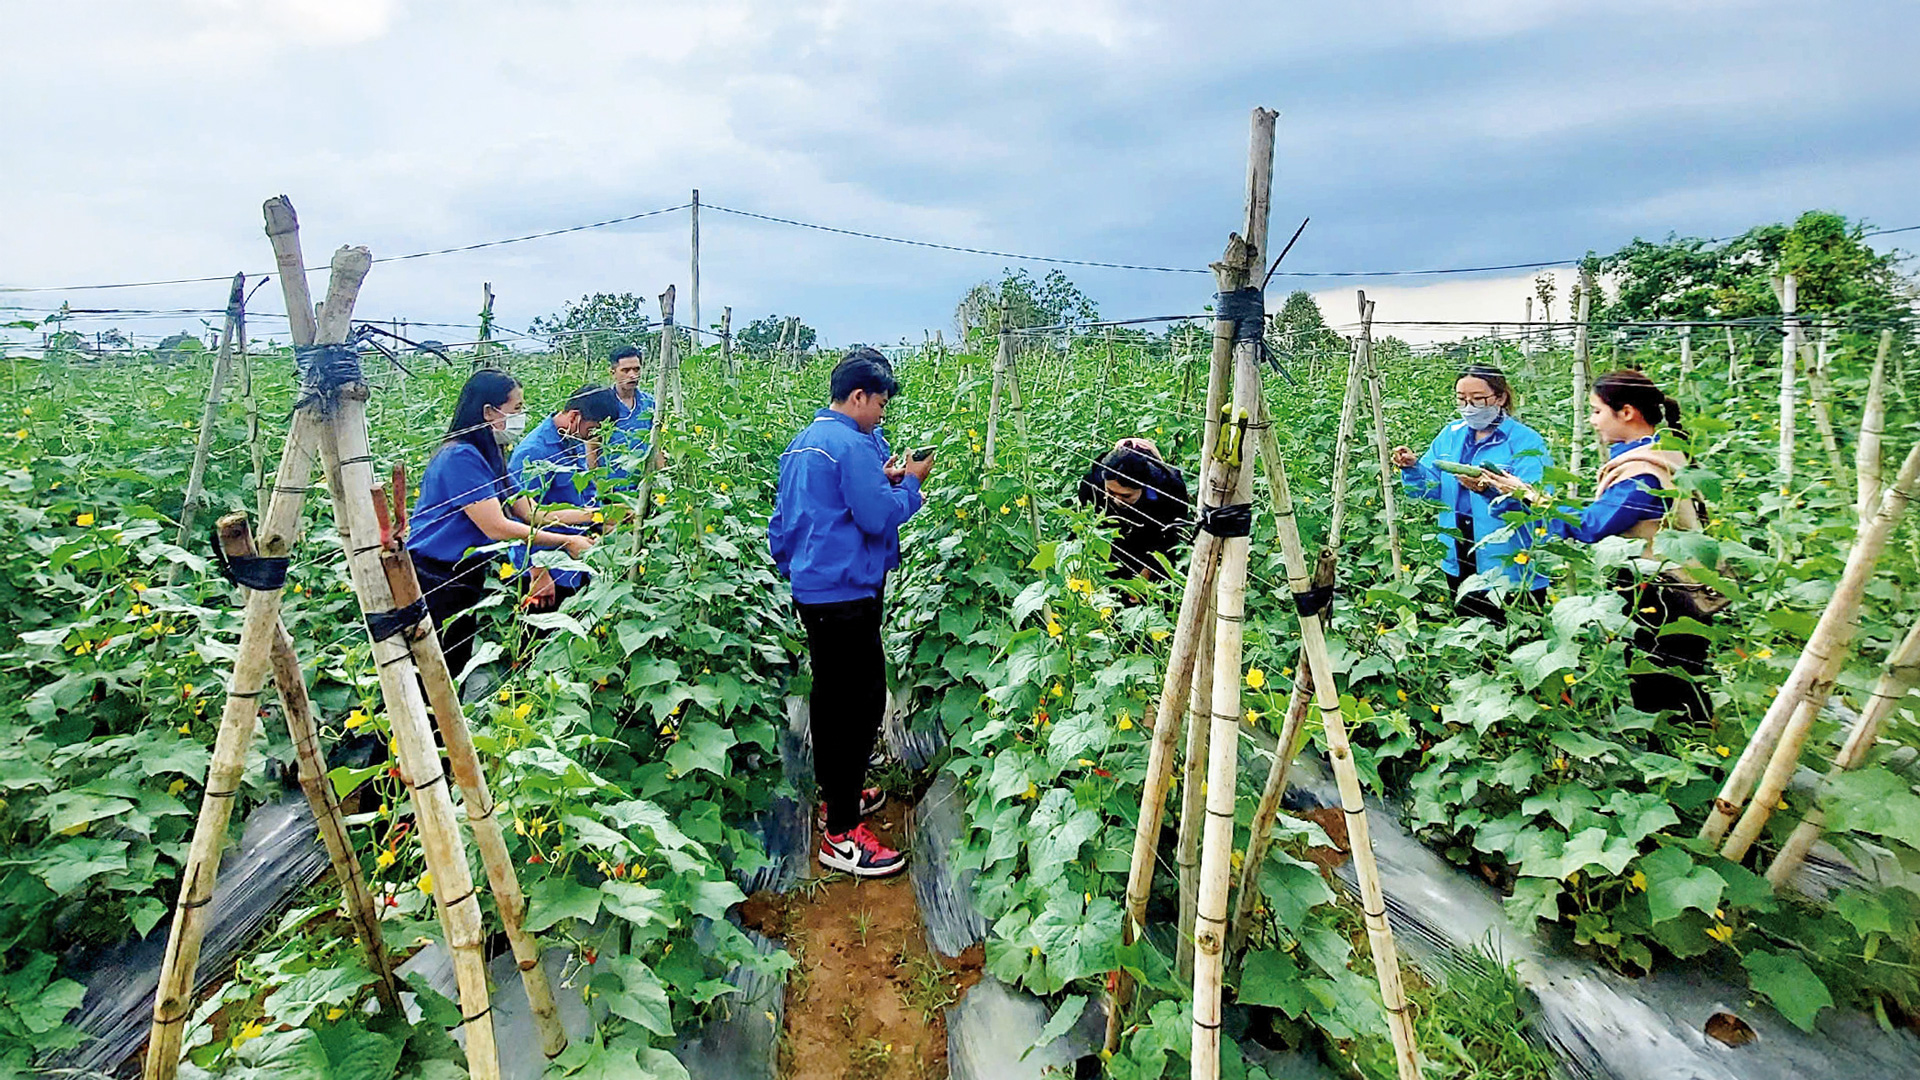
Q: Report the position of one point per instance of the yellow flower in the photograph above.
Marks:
(1157, 635)
(1021, 502)
(336, 1013)
(1080, 585)
(1054, 629)
(357, 719)
(83, 520)
(1058, 690)
(176, 787)
(1238, 859)
(1537, 531)
(1435, 708)
(185, 729)
(1560, 763)
(1005, 509)
(1638, 881)
(1721, 933)
(384, 859)
(21, 434)
(659, 498)
(709, 528)
(506, 570)
(1401, 694)
(1722, 751)
(521, 710)
(1762, 653)
(1106, 613)
(506, 695)
(1573, 878)
(426, 883)
(723, 487)
(139, 586)
(698, 430)
(599, 518)
(1522, 557)
(1125, 723)
(972, 434)
(1568, 678)
(1253, 716)
(1256, 678)
(253, 1030)
(1033, 792)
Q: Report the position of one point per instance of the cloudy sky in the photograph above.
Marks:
(142, 136)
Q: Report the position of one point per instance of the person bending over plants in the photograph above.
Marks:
(835, 534)
(466, 502)
(544, 467)
(1145, 498)
(1626, 409)
(1458, 470)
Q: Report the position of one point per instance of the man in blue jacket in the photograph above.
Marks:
(835, 533)
(549, 467)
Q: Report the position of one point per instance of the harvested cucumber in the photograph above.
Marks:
(1458, 469)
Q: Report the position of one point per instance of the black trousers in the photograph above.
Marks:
(451, 591)
(849, 696)
(1683, 658)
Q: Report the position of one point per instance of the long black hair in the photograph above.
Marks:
(1619, 389)
(483, 388)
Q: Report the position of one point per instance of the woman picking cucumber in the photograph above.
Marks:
(1458, 472)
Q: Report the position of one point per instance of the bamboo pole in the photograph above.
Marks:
(1787, 289)
(1194, 598)
(197, 475)
(1260, 834)
(1389, 482)
(483, 346)
(443, 696)
(1193, 775)
(1343, 445)
(1582, 376)
(1873, 424)
(726, 344)
(1819, 390)
(1901, 673)
(256, 444)
(1313, 646)
(659, 406)
(1733, 362)
(1002, 359)
(1686, 354)
(1821, 660)
(279, 530)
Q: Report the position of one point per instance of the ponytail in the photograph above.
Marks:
(1619, 389)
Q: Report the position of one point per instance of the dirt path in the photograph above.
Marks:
(866, 998)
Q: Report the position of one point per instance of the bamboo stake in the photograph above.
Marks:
(1901, 673)
(1343, 445)
(1873, 423)
(1389, 481)
(1260, 836)
(256, 445)
(1830, 635)
(1002, 358)
(280, 529)
(1193, 775)
(1194, 597)
(1582, 374)
(444, 698)
(659, 406)
(483, 346)
(1787, 289)
(1733, 362)
(1819, 390)
(1373, 905)
(198, 473)
(726, 344)
(1686, 355)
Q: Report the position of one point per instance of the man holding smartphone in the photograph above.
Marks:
(835, 534)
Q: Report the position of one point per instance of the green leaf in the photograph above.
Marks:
(714, 898)
(1272, 978)
(1292, 888)
(69, 808)
(632, 635)
(1562, 802)
(637, 904)
(1534, 898)
(703, 744)
(293, 1001)
(285, 1055)
(68, 866)
(1865, 911)
(1536, 660)
(1062, 1021)
(1789, 983)
(347, 780)
(1675, 883)
(47, 1009)
(354, 1053)
(1641, 815)
(553, 899)
(1875, 802)
(1596, 847)
(145, 912)
(641, 998)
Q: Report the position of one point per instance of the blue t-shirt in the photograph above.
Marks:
(632, 434)
(456, 477)
(543, 468)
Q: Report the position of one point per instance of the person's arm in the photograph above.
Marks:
(878, 507)
(491, 518)
(1529, 468)
(1614, 511)
(1421, 480)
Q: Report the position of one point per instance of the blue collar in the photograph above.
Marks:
(843, 418)
(1622, 447)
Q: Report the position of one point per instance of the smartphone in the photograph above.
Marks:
(922, 454)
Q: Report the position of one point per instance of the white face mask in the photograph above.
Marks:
(1481, 417)
(516, 427)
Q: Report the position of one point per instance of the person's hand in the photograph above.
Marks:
(894, 470)
(1476, 484)
(1404, 457)
(578, 546)
(1508, 484)
(541, 595)
(918, 469)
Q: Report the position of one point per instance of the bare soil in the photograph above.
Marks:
(866, 1000)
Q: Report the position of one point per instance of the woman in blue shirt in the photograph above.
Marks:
(464, 503)
(1625, 410)
(1485, 434)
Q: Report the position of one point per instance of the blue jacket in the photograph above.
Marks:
(1513, 446)
(836, 521)
(542, 468)
(1618, 508)
(626, 448)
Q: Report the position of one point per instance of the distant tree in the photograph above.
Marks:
(604, 321)
(762, 336)
(1051, 301)
(179, 346)
(1300, 333)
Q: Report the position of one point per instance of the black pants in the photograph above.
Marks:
(451, 591)
(1683, 658)
(849, 696)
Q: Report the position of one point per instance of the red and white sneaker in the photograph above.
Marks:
(871, 800)
(860, 853)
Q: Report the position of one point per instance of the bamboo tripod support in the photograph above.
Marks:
(1787, 290)
(1193, 775)
(223, 361)
(1873, 425)
(1820, 393)
(1343, 446)
(661, 381)
(1807, 687)
(1901, 673)
(1317, 660)
(1002, 360)
(1389, 482)
(1582, 377)
(1260, 832)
